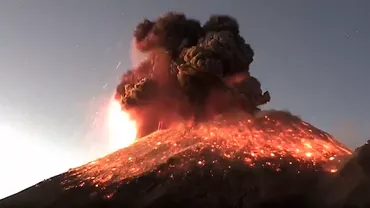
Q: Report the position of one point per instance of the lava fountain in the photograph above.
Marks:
(122, 128)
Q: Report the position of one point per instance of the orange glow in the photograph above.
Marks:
(266, 142)
(122, 129)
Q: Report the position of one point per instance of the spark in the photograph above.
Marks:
(118, 65)
(334, 170)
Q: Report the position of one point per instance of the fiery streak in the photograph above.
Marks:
(122, 129)
(236, 138)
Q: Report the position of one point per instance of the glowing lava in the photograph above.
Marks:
(274, 140)
(122, 129)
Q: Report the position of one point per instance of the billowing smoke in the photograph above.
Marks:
(192, 72)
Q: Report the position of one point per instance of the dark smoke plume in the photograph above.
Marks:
(192, 72)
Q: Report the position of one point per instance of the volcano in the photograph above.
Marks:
(272, 160)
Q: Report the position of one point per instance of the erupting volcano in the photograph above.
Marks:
(189, 121)
(276, 136)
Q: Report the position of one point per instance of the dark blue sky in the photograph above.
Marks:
(56, 56)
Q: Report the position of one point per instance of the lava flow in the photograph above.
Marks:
(275, 136)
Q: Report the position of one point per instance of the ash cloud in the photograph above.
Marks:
(192, 71)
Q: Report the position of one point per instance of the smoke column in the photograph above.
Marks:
(183, 70)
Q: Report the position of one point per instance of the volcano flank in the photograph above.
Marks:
(273, 159)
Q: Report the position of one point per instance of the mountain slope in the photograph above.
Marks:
(232, 161)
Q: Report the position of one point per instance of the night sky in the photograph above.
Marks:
(61, 60)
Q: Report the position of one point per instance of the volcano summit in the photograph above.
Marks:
(203, 140)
